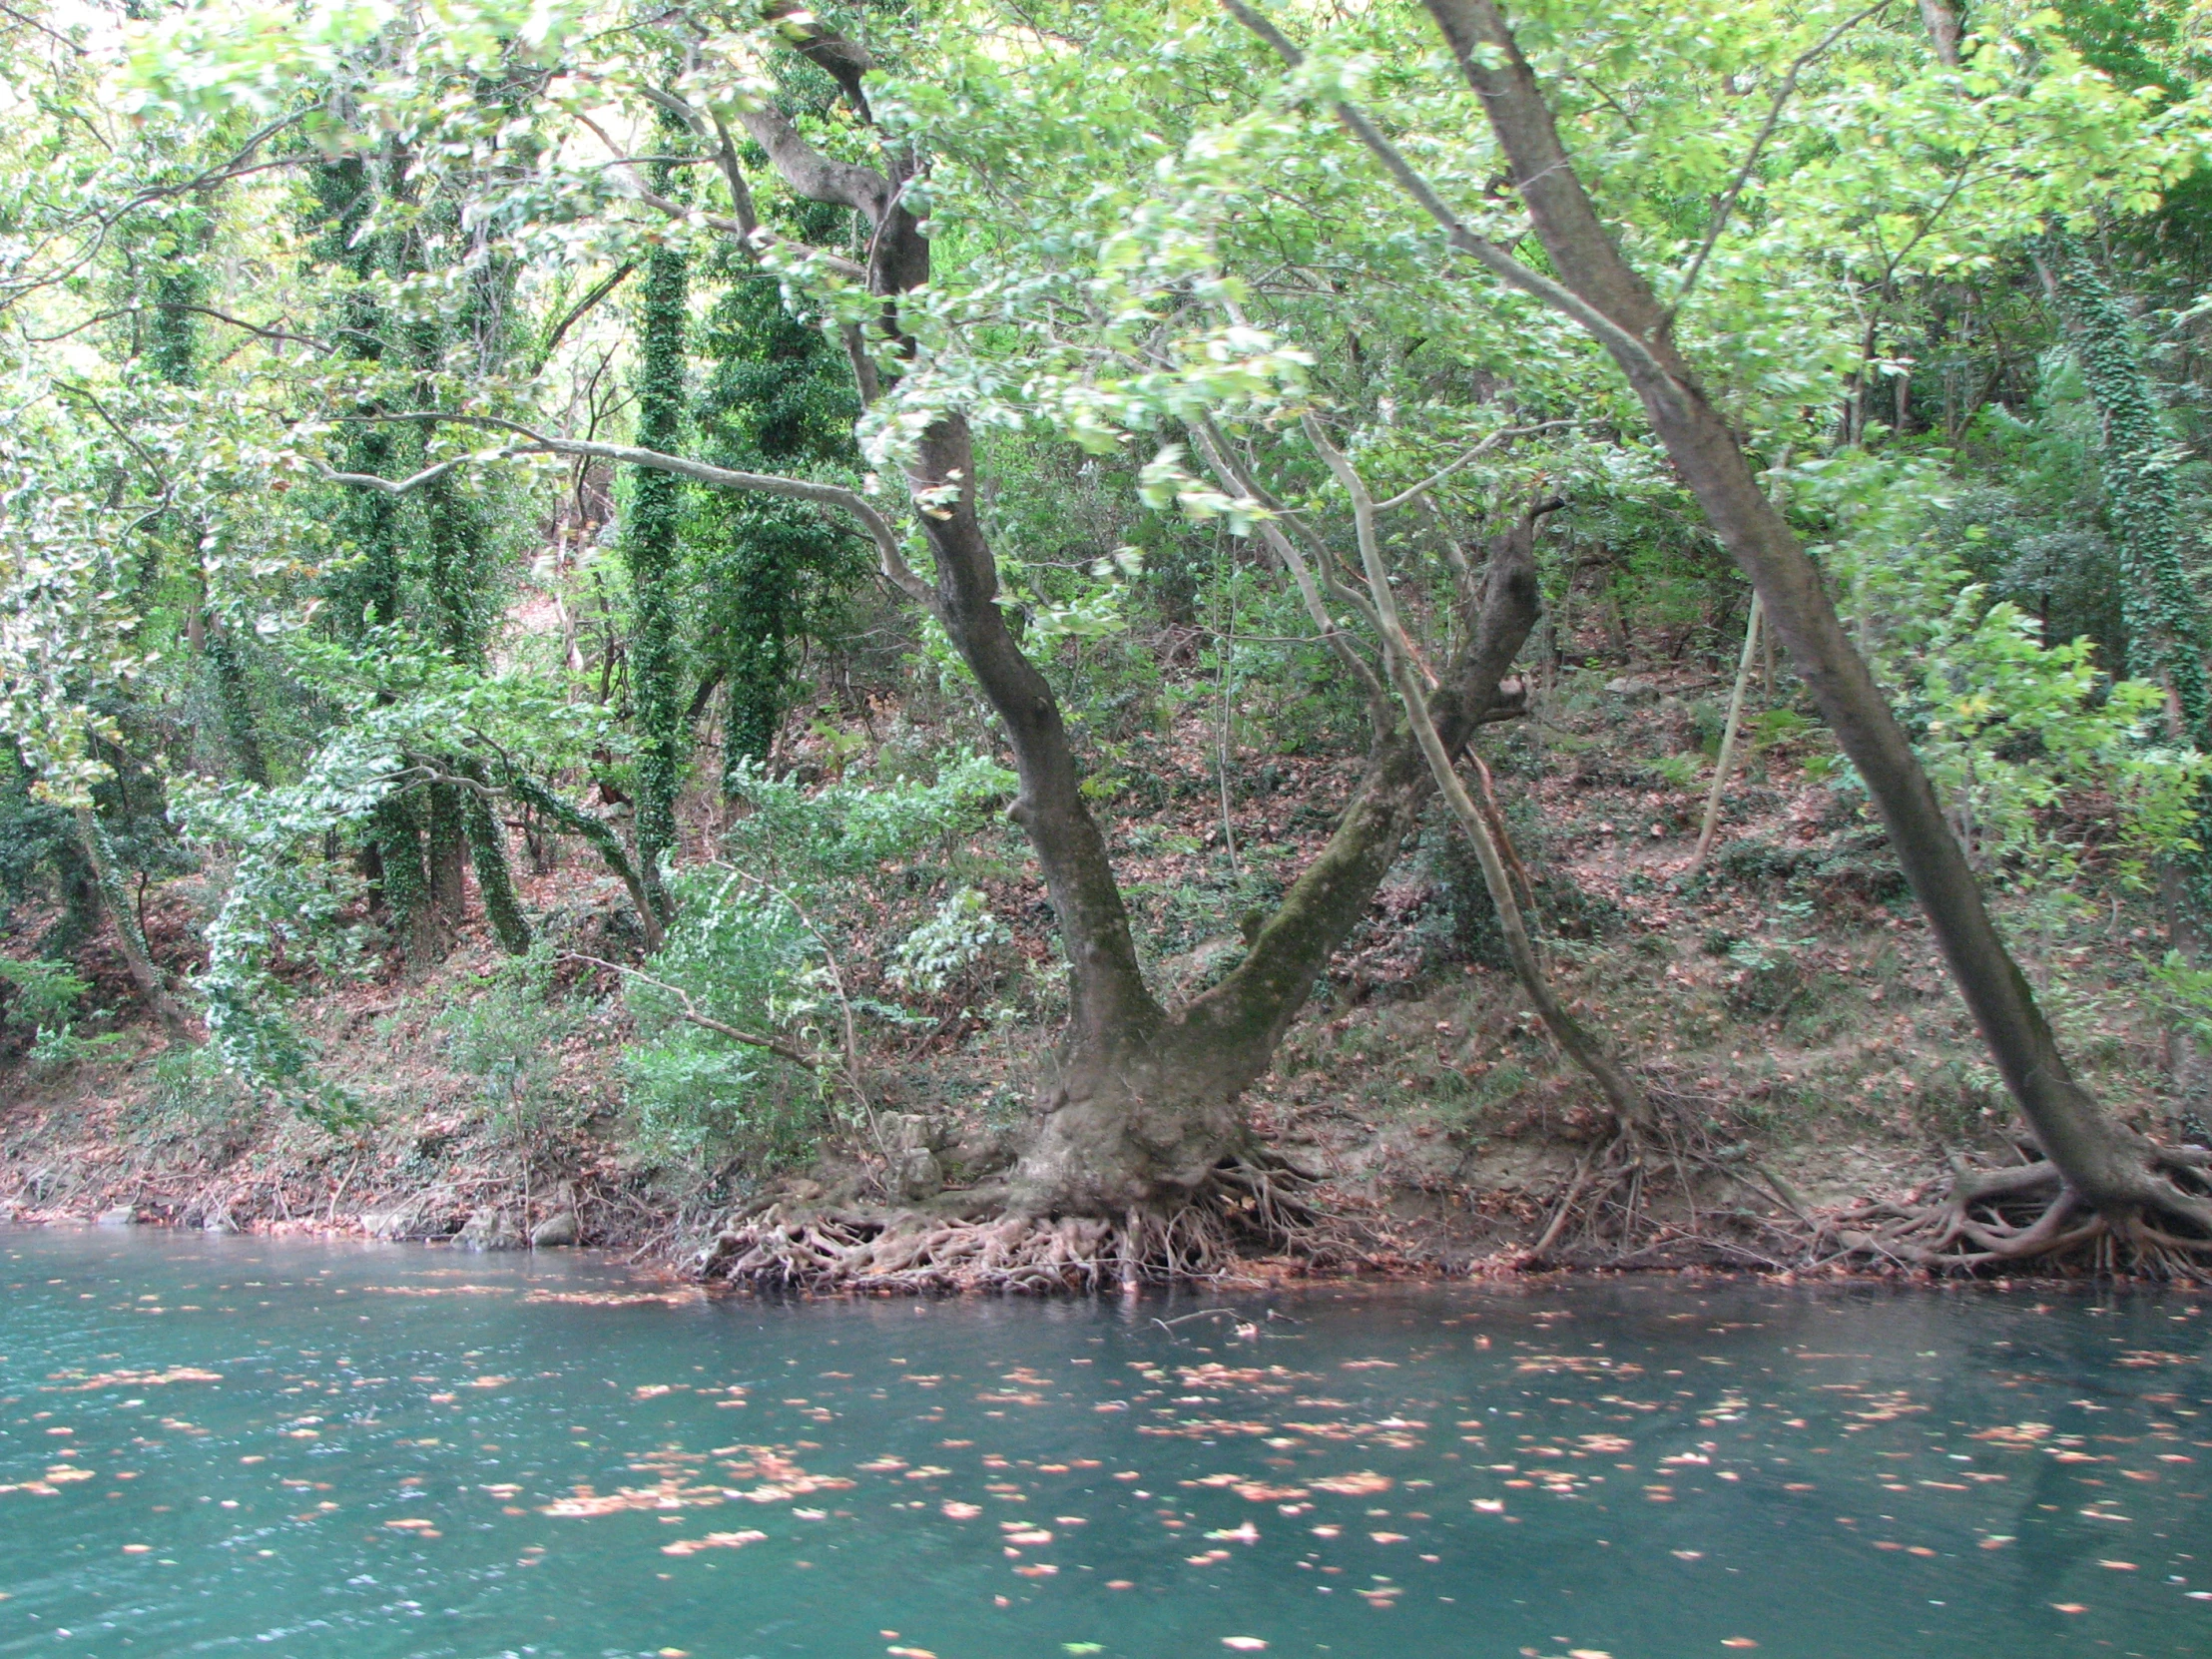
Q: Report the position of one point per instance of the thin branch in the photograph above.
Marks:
(1484, 252)
(1589, 1050)
(690, 1013)
(599, 291)
(1782, 97)
(34, 23)
(115, 426)
(745, 227)
(403, 486)
(1217, 458)
(198, 310)
(1477, 453)
(893, 559)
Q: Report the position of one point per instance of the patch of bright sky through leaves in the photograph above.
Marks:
(239, 1446)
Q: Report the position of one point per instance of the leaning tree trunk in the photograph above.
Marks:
(130, 938)
(2106, 1167)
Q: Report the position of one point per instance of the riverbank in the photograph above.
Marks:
(1782, 1003)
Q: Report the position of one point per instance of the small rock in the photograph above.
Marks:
(904, 1131)
(123, 1215)
(1632, 688)
(218, 1221)
(556, 1232)
(489, 1228)
(915, 1173)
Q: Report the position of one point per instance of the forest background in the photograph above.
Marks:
(978, 643)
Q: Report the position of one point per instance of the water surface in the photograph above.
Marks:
(234, 1446)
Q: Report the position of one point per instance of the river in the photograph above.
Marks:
(217, 1446)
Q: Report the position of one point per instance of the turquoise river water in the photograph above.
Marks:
(240, 1447)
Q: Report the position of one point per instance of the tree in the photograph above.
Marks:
(652, 542)
(1100, 229)
(2102, 1179)
(776, 398)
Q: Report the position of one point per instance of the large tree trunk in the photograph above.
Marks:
(1134, 1118)
(1140, 1108)
(2109, 1168)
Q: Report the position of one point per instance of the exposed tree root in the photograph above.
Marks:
(1649, 1189)
(1976, 1220)
(1256, 1204)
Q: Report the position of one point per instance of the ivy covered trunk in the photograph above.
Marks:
(2166, 640)
(776, 399)
(370, 596)
(652, 544)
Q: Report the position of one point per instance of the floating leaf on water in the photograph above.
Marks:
(1244, 1644)
(1363, 1484)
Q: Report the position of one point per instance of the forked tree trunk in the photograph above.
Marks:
(2108, 1167)
(1142, 1105)
(1138, 1117)
(130, 938)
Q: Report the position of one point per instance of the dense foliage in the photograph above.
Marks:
(335, 591)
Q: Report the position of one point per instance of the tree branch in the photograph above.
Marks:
(1625, 344)
(747, 226)
(707, 1022)
(892, 558)
(1758, 147)
(1477, 453)
(576, 312)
